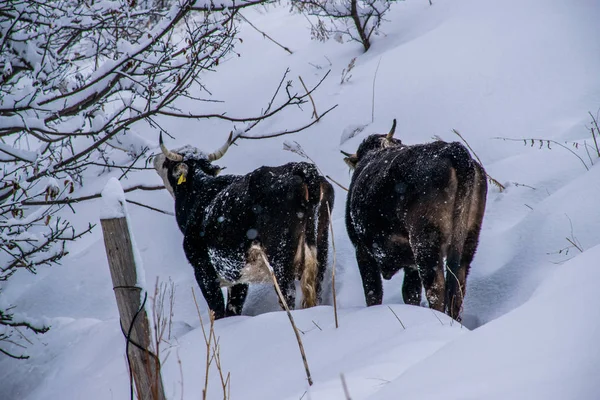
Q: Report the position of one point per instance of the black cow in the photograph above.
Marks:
(415, 207)
(230, 222)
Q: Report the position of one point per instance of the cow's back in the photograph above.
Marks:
(395, 184)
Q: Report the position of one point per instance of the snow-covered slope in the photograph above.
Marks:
(511, 69)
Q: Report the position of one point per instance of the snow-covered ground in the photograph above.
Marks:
(489, 69)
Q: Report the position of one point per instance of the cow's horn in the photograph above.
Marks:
(391, 134)
(168, 153)
(221, 151)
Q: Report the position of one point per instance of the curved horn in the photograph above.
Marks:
(346, 154)
(391, 134)
(168, 153)
(221, 151)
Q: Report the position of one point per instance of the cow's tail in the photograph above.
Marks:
(465, 176)
(321, 197)
(309, 277)
(468, 215)
(471, 193)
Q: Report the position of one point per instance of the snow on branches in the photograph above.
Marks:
(356, 19)
(75, 79)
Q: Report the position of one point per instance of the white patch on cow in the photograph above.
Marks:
(225, 266)
(255, 270)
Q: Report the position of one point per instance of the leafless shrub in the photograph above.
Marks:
(354, 19)
(92, 74)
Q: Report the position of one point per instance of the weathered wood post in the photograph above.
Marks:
(127, 285)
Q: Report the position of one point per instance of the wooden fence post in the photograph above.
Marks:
(143, 364)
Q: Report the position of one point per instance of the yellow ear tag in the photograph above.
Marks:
(181, 179)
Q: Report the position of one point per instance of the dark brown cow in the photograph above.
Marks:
(416, 207)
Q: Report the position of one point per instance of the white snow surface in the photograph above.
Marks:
(512, 69)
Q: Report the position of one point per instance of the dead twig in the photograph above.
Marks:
(435, 315)
(264, 34)
(207, 341)
(345, 387)
(595, 123)
(289, 314)
(317, 325)
(373, 98)
(150, 207)
(335, 313)
(90, 197)
(336, 182)
(398, 318)
(492, 180)
(574, 245)
(315, 114)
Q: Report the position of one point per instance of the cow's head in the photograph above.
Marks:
(175, 167)
(372, 142)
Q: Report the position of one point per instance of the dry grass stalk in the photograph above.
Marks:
(373, 93)
(398, 318)
(346, 71)
(336, 182)
(225, 380)
(180, 372)
(546, 143)
(291, 318)
(162, 312)
(597, 132)
(296, 148)
(345, 387)
(317, 325)
(492, 180)
(574, 245)
(162, 318)
(335, 313)
(315, 114)
(264, 34)
(435, 315)
(213, 353)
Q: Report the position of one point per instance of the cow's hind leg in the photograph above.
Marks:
(206, 276)
(427, 245)
(236, 296)
(411, 286)
(455, 283)
(282, 263)
(371, 276)
(459, 270)
(211, 289)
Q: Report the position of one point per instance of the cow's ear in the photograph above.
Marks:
(218, 170)
(351, 161)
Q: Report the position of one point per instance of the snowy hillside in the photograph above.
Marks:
(489, 69)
